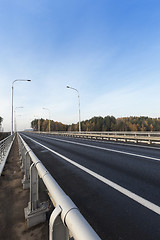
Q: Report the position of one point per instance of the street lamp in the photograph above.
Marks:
(49, 118)
(17, 80)
(79, 106)
(15, 118)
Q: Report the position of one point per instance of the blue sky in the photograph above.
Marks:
(107, 49)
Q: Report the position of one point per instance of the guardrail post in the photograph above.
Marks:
(35, 213)
(3, 149)
(57, 230)
(1, 153)
(26, 179)
(22, 158)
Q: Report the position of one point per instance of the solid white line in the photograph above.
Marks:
(105, 149)
(117, 187)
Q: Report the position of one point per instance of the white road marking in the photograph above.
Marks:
(105, 149)
(153, 207)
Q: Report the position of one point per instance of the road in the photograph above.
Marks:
(116, 186)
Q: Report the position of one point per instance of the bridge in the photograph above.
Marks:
(102, 185)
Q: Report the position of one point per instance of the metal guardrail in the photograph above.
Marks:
(66, 221)
(136, 137)
(5, 146)
(119, 133)
(125, 133)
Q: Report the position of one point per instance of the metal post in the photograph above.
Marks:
(12, 112)
(78, 106)
(35, 213)
(26, 179)
(20, 80)
(57, 230)
(22, 158)
(79, 114)
(34, 198)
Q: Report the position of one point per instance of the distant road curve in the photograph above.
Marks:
(115, 186)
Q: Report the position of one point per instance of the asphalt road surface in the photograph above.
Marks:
(116, 186)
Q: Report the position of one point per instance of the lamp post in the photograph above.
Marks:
(79, 106)
(15, 118)
(49, 118)
(17, 80)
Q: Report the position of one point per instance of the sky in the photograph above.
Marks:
(109, 50)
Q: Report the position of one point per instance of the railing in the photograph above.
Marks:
(136, 137)
(5, 146)
(135, 133)
(66, 221)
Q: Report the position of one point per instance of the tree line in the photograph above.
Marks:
(108, 123)
(3, 134)
(1, 119)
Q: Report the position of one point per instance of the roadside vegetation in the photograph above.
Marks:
(3, 134)
(108, 123)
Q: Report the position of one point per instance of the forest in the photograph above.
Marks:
(108, 123)
(3, 134)
(1, 119)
